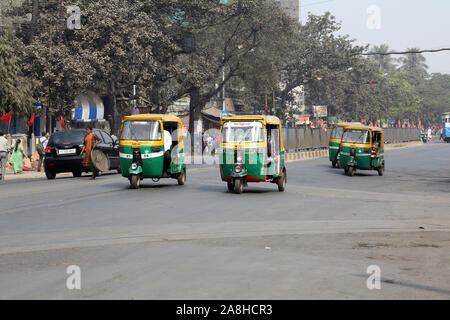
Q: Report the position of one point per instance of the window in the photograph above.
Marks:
(243, 132)
(356, 136)
(106, 137)
(72, 137)
(337, 132)
(141, 130)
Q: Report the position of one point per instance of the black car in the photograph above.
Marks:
(62, 153)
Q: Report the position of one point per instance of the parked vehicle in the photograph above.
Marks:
(63, 152)
(146, 151)
(335, 141)
(446, 129)
(253, 151)
(362, 148)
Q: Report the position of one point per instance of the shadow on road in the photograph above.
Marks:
(411, 285)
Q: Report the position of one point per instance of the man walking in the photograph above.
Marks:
(43, 142)
(4, 150)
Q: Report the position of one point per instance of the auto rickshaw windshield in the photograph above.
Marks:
(243, 132)
(141, 130)
(356, 136)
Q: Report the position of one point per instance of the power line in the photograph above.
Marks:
(404, 52)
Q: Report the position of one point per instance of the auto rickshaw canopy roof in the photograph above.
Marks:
(264, 119)
(348, 124)
(364, 128)
(155, 117)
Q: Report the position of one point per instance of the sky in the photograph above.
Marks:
(401, 24)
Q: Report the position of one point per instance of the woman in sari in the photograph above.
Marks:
(17, 157)
(89, 142)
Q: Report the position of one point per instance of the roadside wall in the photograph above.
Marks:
(302, 139)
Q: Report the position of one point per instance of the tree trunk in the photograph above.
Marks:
(113, 94)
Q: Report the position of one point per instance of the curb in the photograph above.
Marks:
(306, 155)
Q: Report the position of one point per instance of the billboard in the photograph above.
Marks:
(320, 111)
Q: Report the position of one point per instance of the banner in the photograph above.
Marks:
(6, 118)
(31, 122)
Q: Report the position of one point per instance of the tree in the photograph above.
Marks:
(16, 91)
(385, 62)
(414, 65)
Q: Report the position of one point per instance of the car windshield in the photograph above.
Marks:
(337, 132)
(243, 132)
(68, 137)
(141, 130)
(356, 136)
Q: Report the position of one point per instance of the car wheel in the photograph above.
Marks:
(50, 175)
(77, 174)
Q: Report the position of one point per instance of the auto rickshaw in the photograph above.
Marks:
(146, 151)
(362, 148)
(335, 141)
(253, 151)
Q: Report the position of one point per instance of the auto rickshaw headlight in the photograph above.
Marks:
(134, 166)
(237, 168)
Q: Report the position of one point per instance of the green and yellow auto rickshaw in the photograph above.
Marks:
(253, 151)
(151, 147)
(362, 148)
(335, 141)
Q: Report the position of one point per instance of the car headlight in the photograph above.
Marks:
(134, 166)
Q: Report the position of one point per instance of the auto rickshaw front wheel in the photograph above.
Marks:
(135, 181)
(238, 186)
(350, 171)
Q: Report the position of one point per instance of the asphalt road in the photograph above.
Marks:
(197, 241)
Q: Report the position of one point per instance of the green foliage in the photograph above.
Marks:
(16, 90)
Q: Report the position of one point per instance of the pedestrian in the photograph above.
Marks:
(4, 150)
(430, 133)
(90, 141)
(441, 134)
(17, 157)
(167, 151)
(42, 145)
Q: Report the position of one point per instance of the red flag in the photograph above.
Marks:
(6, 118)
(31, 122)
(63, 125)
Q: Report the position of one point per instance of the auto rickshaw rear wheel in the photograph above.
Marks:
(135, 181)
(334, 163)
(182, 178)
(238, 186)
(282, 182)
(230, 186)
(381, 171)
